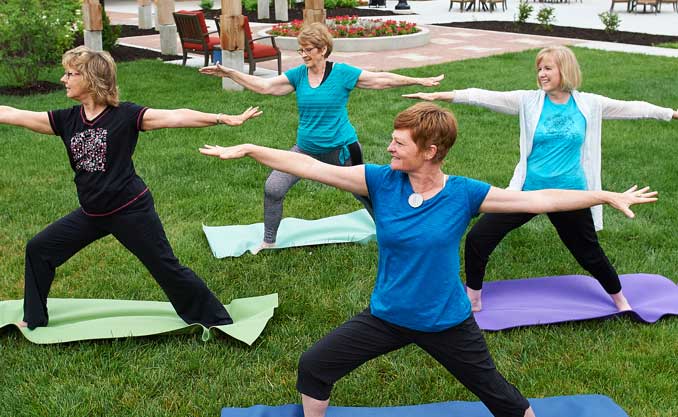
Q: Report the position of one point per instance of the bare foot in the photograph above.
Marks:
(22, 324)
(264, 245)
(474, 297)
(621, 302)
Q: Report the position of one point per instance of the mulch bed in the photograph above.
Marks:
(567, 32)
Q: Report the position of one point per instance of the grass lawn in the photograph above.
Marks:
(320, 287)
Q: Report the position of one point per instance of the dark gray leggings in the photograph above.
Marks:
(279, 183)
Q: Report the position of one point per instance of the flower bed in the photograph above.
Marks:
(351, 27)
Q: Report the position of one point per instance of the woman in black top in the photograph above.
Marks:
(100, 135)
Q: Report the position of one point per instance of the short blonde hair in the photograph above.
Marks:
(317, 35)
(570, 73)
(98, 70)
(429, 124)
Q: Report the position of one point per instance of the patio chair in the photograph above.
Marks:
(654, 4)
(193, 33)
(257, 51)
(674, 2)
(461, 4)
(493, 4)
(627, 2)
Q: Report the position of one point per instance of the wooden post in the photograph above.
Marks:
(232, 40)
(167, 27)
(263, 9)
(231, 22)
(314, 11)
(165, 10)
(92, 24)
(145, 12)
(281, 10)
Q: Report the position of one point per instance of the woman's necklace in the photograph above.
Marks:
(417, 199)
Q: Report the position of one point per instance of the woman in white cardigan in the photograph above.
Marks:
(560, 135)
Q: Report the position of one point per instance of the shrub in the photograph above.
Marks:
(610, 20)
(524, 11)
(546, 17)
(109, 34)
(206, 5)
(249, 5)
(33, 36)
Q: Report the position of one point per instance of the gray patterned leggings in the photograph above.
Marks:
(279, 183)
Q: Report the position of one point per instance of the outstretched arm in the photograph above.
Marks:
(382, 80)
(620, 109)
(346, 178)
(507, 102)
(546, 201)
(439, 95)
(35, 121)
(276, 86)
(158, 119)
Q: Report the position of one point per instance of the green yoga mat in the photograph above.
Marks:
(72, 319)
(231, 241)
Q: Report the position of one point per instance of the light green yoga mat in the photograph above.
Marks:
(228, 241)
(86, 319)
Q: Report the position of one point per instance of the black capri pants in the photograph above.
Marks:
(575, 228)
(139, 229)
(460, 349)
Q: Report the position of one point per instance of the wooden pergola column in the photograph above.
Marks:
(167, 27)
(232, 40)
(92, 24)
(145, 13)
(314, 11)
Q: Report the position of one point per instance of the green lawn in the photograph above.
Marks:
(320, 287)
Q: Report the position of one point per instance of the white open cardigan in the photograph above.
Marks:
(528, 105)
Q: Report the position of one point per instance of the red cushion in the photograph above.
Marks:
(201, 18)
(262, 50)
(212, 41)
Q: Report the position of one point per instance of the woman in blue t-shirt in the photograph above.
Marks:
(421, 215)
(560, 147)
(324, 131)
(100, 135)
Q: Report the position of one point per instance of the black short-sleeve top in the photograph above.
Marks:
(100, 152)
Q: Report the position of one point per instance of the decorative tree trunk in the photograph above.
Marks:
(92, 24)
(167, 27)
(314, 11)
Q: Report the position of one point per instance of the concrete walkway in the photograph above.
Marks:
(447, 44)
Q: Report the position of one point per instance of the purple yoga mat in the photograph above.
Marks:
(535, 301)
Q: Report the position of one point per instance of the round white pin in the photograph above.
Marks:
(415, 200)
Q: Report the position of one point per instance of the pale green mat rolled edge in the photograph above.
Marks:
(89, 319)
(233, 241)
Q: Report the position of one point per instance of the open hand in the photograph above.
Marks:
(217, 70)
(250, 113)
(422, 96)
(431, 81)
(230, 152)
(622, 201)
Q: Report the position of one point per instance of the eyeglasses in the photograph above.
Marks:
(306, 51)
(69, 74)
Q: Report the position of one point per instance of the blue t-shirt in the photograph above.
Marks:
(555, 160)
(418, 284)
(323, 116)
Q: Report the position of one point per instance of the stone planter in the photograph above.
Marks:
(385, 43)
